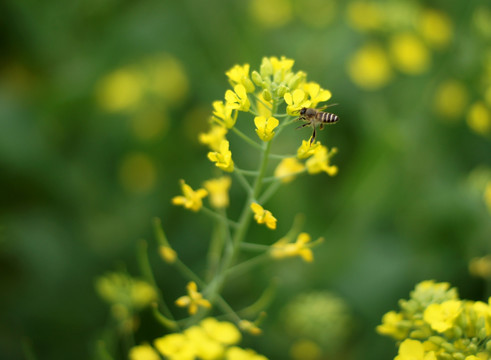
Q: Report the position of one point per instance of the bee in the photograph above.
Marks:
(314, 117)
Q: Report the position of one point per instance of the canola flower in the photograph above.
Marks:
(436, 324)
(265, 101)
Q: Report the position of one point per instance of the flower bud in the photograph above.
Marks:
(267, 95)
(256, 78)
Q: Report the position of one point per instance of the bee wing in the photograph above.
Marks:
(326, 106)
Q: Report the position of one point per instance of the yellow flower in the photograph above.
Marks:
(237, 99)
(214, 137)
(263, 216)
(137, 173)
(143, 352)
(307, 149)
(167, 253)
(222, 114)
(319, 162)
(218, 189)
(176, 347)
(283, 65)
(236, 353)
(265, 127)
(288, 168)
(222, 331)
(271, 13)
(391, 326)
(240, 75)
(414, 350)
(451, 98)
(441, 317)
(121, 90)
(282, 248)
(223, 157)
(409, 54)
(479, 118)
(193, 300)
(191, 199)
(435, 27)
(205, 347)
(296, 101)
(369, 67)
(316, 93)
(364, 15)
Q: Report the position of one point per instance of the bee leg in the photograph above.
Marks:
(321, 126)
(302, 126)
(312, 139)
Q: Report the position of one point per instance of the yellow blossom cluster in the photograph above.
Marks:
(411, 33)
(435, 324)
(209, 340)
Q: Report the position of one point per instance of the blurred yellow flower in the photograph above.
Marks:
(150, 123)
(409, 54)
(237, 99)
(305, 350)
(193, 300)
(240, 75)
(435, 27)
(143, 352)
(121, 90)
(369, 67)
(137, 173)
(222, 331)
(391, 326)
(237, 353)
(214, 137)
(441, 317)
(479, 118)
(175, 346)
(301, 247)
(121, 289)
(166, 77)
(191, 199)
(263, 216)
(287, 169)
(265, 127)
(296, 101)
(481, 266)
(319, 162)
(222, 113)
(223, 157)
(365, 15)
(271, 13)
(451, 99)
(218, 190)
(204, 345)
(414, 350)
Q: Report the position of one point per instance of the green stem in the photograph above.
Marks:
(246, 265)
(270, 191)
(246, 138)
(254, 247)
(244, 182)
(146, 270)
(218, 217)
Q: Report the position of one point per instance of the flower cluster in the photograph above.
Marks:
(435, 324)
(210, 340)
(268, 100)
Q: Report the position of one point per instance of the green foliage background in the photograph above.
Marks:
(402, 209)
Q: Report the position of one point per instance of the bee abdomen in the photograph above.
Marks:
(328, 118)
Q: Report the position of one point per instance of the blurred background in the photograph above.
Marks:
(101, 104)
